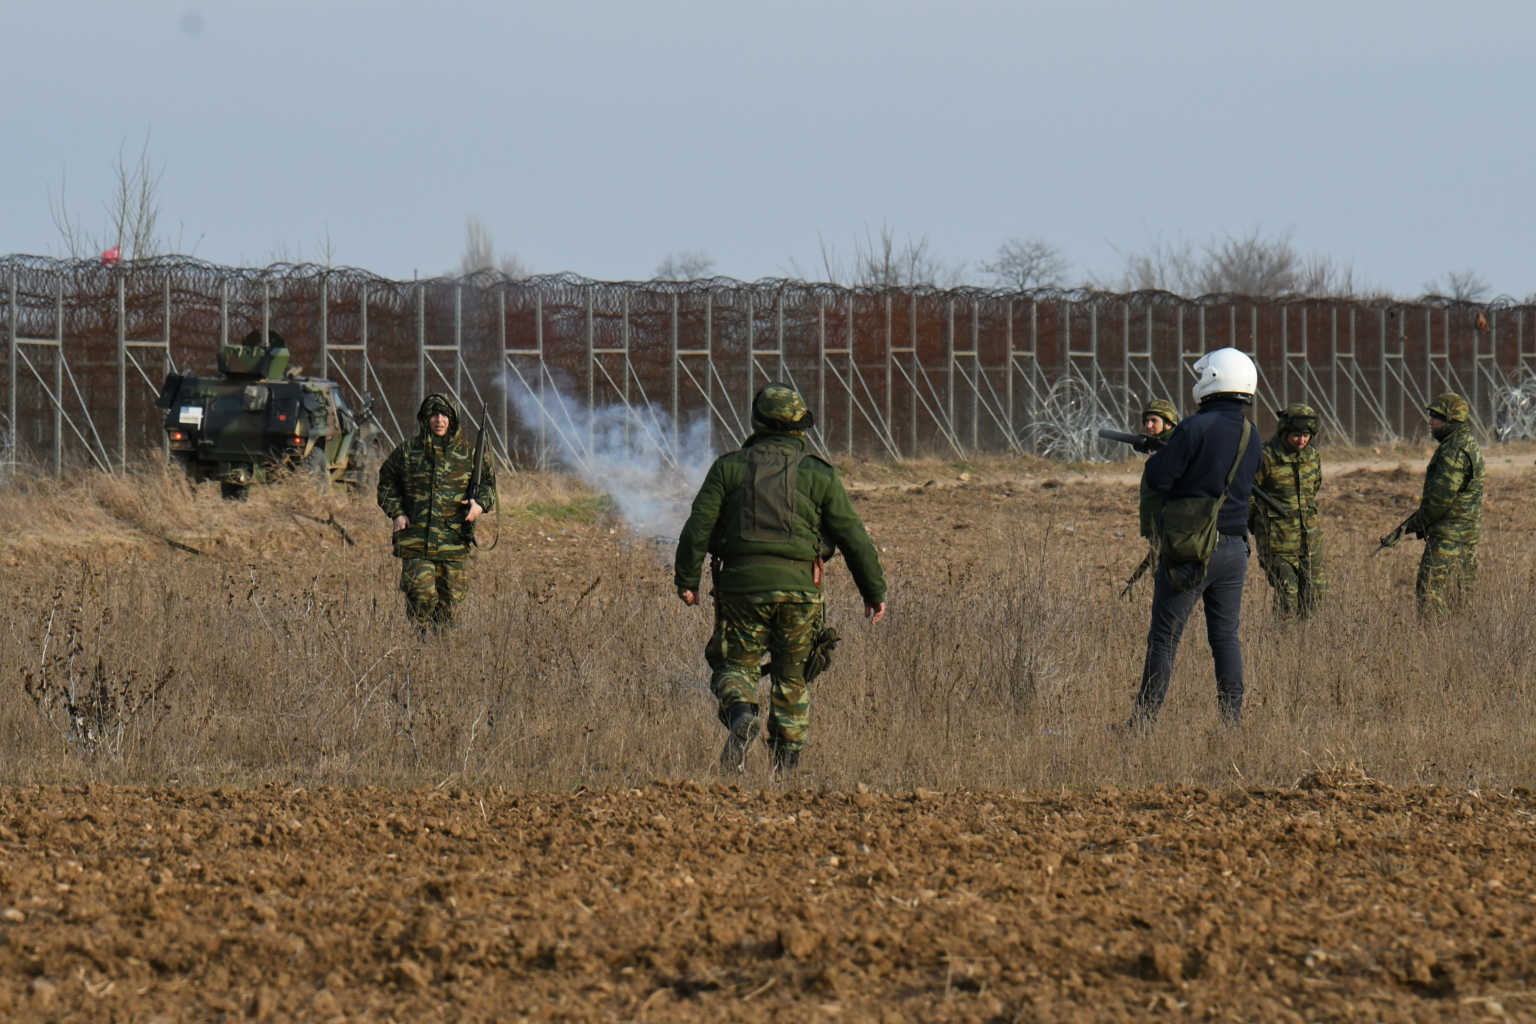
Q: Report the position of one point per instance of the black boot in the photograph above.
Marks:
(785, 761)
(743, 730)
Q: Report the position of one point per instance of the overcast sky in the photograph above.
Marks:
(597, 137)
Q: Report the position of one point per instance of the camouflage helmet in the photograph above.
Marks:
(1297, 418)
(1165, 409)
(780, 407)
(1450, 407)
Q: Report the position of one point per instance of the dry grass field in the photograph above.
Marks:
(237, 784)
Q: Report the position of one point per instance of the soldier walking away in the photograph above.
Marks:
(423, 488)
(1289, 538)
(1204, 474)
(770, 514)
(1450, 514)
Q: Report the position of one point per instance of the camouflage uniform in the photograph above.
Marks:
(769, 514)
(1149, 499)
(1450, 514)
(1290, 545)
(425, 480)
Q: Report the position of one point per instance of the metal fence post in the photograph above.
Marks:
(122, 378)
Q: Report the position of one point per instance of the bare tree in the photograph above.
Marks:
(1321, 277)
(479, 247)
(1461, 285)
(1023, 263)
(1166, 266)
(133, 211)
(686, 265)
(885, 262)
(480, 252)
(1250, 265)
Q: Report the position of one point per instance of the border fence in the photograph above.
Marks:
(891, 373)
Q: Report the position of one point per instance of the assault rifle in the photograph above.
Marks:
(1391, 539)
(1144, 443)
(472, 492)
(1138, 572)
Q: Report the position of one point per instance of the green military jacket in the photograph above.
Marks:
(425, 480)
(1452, 505)
(1292, 478)
(1149, 502)
(759, 556)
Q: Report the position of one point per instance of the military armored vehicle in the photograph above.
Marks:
(259, 418)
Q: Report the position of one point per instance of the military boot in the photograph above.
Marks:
(743, 730)
(785, 761)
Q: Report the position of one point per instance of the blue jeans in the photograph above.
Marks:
(1222, 591)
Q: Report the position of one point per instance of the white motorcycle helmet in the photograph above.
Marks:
(1226, 371)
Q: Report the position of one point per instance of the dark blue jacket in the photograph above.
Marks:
(1197, 457)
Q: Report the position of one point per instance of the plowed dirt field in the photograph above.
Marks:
(1338, 900)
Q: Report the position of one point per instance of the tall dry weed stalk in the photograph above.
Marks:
(281, 652)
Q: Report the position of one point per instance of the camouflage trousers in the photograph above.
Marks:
(1298, 588)
(1446, 574)
(746, 628)
(432, 589)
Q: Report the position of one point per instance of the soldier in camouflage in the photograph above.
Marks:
(1290, 543)
(1450, 514)
(770, 514)
(422, 487)
(1159, 418)
(1157, 421)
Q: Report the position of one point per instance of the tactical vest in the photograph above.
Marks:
(765, 505)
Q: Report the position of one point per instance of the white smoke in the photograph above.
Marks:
(636, 455)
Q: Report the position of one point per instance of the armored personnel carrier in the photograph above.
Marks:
(259, 418)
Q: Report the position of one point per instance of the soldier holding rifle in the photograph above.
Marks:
(1450, 514)
(1158, 421)
(433, 487)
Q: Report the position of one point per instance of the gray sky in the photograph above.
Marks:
(597, 137)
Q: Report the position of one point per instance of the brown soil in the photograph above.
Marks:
(1339, 899)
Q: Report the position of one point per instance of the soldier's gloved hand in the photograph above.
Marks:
(1416, 525)
(1146, 444)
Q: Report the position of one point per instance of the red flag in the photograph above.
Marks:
(111, 256)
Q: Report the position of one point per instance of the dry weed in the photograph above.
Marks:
(279, 651)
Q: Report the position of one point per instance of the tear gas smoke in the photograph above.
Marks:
(649, 466)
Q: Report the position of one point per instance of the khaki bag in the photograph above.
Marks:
(1188, 533)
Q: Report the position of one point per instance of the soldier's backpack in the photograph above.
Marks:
(1188, 533)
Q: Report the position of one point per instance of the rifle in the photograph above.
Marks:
(1138, 572)
(472, 493)
(1391, 539)
(1143, 443)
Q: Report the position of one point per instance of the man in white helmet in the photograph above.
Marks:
(1212, 455)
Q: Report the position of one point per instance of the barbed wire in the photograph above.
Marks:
(902, 352)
